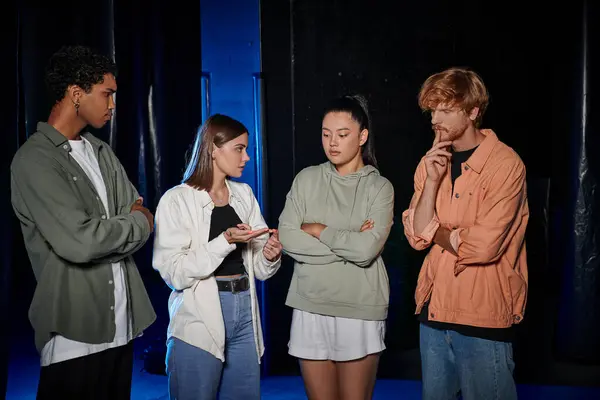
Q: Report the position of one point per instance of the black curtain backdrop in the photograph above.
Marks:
(542, 74)
(579, 322)
(157, 50)
(9, 141)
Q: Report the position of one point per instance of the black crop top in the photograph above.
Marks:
(223, 218)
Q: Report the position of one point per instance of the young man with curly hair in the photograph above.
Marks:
(81, 219)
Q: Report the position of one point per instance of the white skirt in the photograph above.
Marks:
(322, 337)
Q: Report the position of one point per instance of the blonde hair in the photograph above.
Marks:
(455, 87)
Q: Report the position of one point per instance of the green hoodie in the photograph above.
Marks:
(342, 274)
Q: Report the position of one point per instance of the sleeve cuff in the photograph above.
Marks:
(221, 246)
(455, 239)
(270, 264)
(142, 221)
(429, 231)
(327, 236)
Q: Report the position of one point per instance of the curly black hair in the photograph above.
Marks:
(76, 65)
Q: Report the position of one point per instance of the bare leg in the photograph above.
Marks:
(320, 379)
(356, 378)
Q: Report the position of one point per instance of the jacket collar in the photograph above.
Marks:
(205, 199)
(480, 156)
(58, 139)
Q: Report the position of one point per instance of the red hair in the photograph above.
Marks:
(455, 87)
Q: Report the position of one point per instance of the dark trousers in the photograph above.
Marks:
(100, 376)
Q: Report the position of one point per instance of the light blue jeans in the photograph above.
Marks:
(477, 368)
(195, 374)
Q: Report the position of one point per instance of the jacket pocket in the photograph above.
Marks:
(474, 283)
(516, 287)
(424, 282)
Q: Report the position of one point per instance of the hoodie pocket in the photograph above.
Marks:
(308, 284)
(340, 283)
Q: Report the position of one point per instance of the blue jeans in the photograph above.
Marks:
(477, 368)
(195, 374)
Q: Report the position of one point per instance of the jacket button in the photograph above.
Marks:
(457, 195)
(517, 318)
(432, 315)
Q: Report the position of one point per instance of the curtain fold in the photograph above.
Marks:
(579, 321)
(157, 115)
(12, 122)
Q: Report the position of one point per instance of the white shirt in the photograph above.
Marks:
(60, 348)
(186, 261)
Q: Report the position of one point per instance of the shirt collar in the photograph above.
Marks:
(478, 159)
(58, 139)
(205, 199)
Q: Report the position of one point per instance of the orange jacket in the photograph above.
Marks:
(486, 285)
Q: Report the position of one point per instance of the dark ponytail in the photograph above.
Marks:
(357, 106)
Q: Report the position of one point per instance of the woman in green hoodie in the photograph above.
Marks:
(336, 220)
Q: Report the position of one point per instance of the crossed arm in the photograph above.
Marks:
(319, 244)
(498, 221)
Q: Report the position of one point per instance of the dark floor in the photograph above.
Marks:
(24, 371)
(24, 367)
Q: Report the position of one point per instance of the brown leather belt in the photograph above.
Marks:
(235, 285)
